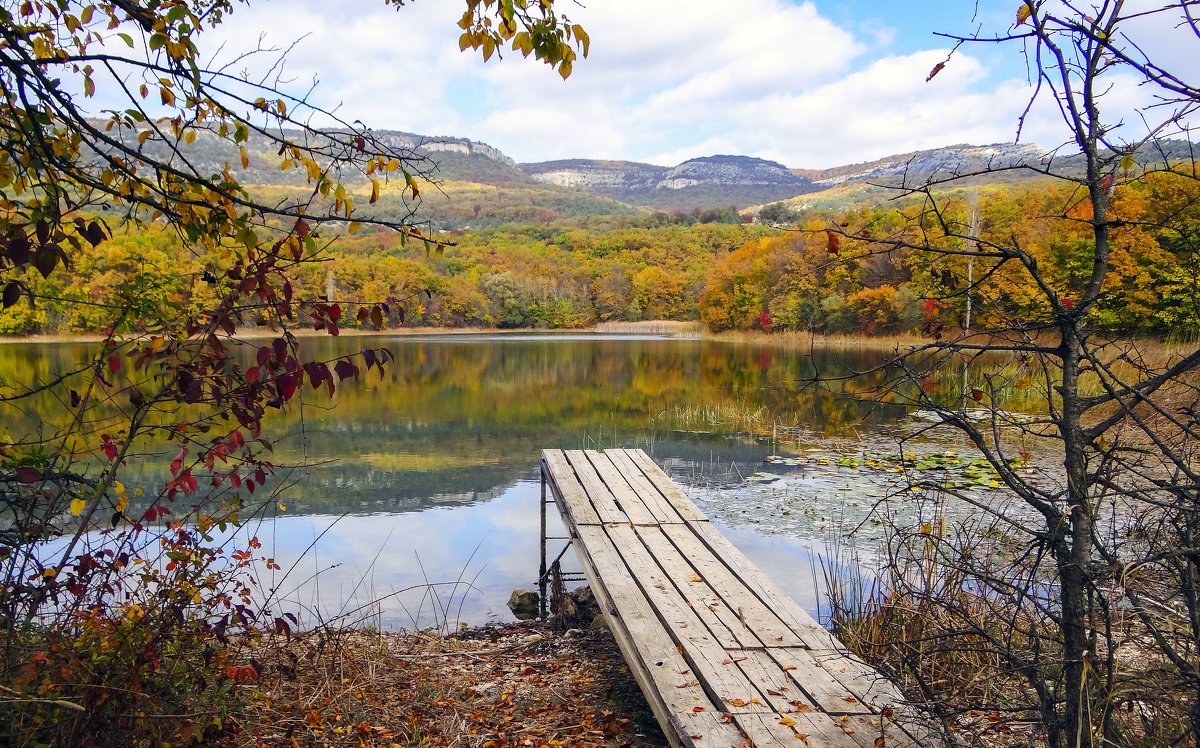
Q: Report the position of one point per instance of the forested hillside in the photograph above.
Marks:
(540, 266)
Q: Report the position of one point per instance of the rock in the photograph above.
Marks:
(586, 607)
(524, 604)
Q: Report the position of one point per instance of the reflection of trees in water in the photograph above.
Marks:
(463, 419)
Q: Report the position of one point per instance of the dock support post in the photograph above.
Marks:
(542, 581)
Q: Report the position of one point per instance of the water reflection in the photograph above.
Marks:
(432, 468)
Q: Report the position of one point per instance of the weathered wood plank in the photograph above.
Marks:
(565, 486)
(598, 494)
(798, 729)
(741, 599)
(798, 620)
(718, 672)
(868, 728)
(663, 674)
(653, 498)
(857, 676)
(627, 499)
(790, 701)
(671, 492)
(729, 630)
(818, 683)
(723, 656)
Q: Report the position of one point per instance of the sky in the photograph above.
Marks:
(808, 84)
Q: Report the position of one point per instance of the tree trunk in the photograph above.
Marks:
(1073, 554)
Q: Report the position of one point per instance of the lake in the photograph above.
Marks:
(429, 475)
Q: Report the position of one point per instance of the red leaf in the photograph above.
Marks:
(108, 446)
(114, 363)
(302, 228)
(335, 312)
(286, 385)
(832, 242)
(252, 374)
(977, 395)
(936, 69)
(28, 474)
(1068, 303)
(344, 369)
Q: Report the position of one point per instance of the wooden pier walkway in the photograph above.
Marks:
(724, 657)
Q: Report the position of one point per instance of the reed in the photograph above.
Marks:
(671, 328)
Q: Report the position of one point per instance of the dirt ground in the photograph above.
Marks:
(495, 687)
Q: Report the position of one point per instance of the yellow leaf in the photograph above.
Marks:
(282, 506)
(787, 721)
(1024, 12)
(50, 573)
(245, 157)
(77, 507)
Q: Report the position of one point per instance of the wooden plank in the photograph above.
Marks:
(777, 688)
(764, 730)
(567, 491)
(660, 670)
(789, 700)
(793, 730)
(723, 622)
(671, 492)
(752, 611)
(868, 728)
(797, 619)
(720, 675)
(627, 499)
(653, 498)
(817, 682)
(602, 501)
(722, 655)
(857, 677)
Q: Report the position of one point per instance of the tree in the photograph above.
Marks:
(1104, 558)
(103, 638)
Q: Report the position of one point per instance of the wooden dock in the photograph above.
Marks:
(723, 656)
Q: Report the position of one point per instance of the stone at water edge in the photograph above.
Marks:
(524, 604)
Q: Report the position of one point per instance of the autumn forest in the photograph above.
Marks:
(814, 270)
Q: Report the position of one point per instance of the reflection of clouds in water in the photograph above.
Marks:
(377, 555)
(495, 544)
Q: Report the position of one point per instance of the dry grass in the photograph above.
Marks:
(515, 685)
(651, 327)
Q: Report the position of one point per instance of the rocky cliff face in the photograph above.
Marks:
(916, 167)
(702, 182)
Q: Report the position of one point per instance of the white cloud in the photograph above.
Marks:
(666, 81)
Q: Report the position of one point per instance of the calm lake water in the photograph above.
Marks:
(430, 474)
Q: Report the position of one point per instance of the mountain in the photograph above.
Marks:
(917, 167)
(478, 185)
(709, 182)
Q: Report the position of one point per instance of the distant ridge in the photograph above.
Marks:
(711, 181)
(572, 187)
